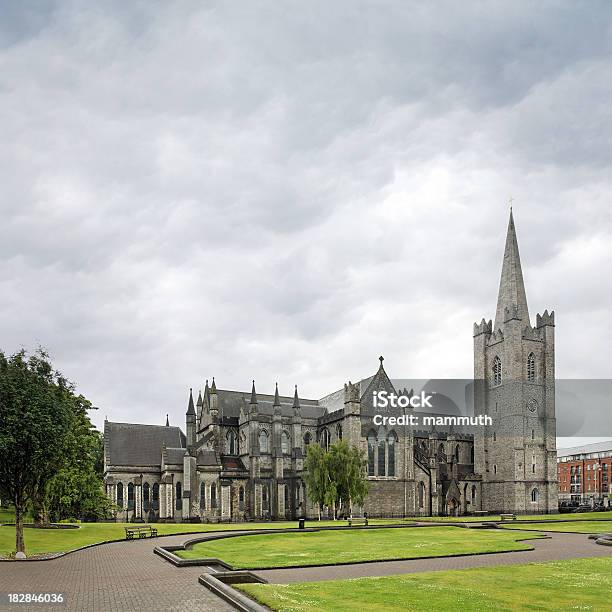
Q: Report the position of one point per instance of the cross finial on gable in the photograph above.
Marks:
(381, 359)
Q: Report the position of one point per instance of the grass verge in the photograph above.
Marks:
(39, 541)
(574, 526)
(329, 547)
(561, 585)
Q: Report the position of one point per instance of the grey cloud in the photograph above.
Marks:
(286, 191)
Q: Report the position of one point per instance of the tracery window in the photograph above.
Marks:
(497, 371)
(263, 441)
(285, 443)
(325, 439)
(531, 367)
(232, 442)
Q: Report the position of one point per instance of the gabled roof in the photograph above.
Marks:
(135, 444)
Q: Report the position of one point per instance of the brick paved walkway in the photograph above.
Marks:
(121, 576)
(560, 546)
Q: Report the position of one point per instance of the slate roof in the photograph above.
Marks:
(230, 403)
(174, 455)
(207, 457)
(135, 444)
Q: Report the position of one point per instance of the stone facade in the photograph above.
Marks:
(242, 457)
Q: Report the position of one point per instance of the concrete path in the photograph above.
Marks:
(560, 546)
(121, 576)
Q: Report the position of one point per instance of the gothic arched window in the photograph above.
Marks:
(263, 441)
(531, 367)
(325, 439)
(241, 498)
(130, 496)
(179, 496)
(307, 440)
(285, 443)
(120, 494)
(497, 371)
(535, 495)
(213, 495)
(457, 454)
(421, 494)
(381, 457)
(371, 453)
(146, 497)
(155, 504)
(339, 431)
(391, 440)
(472, 454)
(232, 442)
(202, 496)
(473, 493)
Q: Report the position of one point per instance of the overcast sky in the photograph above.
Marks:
(285, 191)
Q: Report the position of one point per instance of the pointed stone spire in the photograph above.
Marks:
(190, 407)
(296, 400)
(276, 397)
(199, 402)
(207, 390)
(213, 388)
(253, 395)
(167, 421)
(511, 287)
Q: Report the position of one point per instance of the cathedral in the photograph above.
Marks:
(242, 454)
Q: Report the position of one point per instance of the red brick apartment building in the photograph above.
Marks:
(584, 474)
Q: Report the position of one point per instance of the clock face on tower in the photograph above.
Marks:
(532, 405)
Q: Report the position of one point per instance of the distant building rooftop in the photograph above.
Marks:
(588, 451)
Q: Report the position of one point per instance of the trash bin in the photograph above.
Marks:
(301, 523)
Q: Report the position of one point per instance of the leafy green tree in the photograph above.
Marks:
(350, 474)
(76, 490)
(336, 478)
(37, 410)
(316, 476)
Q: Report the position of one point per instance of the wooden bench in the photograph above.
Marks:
(145, 531)
(357, 521)
(480, 512)
(508, 517)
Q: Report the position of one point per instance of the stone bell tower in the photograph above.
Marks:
(514, 377)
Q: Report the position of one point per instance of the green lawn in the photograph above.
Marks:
(60, 540)
(7, 515)
(579, 516)
(575, 526)
(326, 547)
(583, 584)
